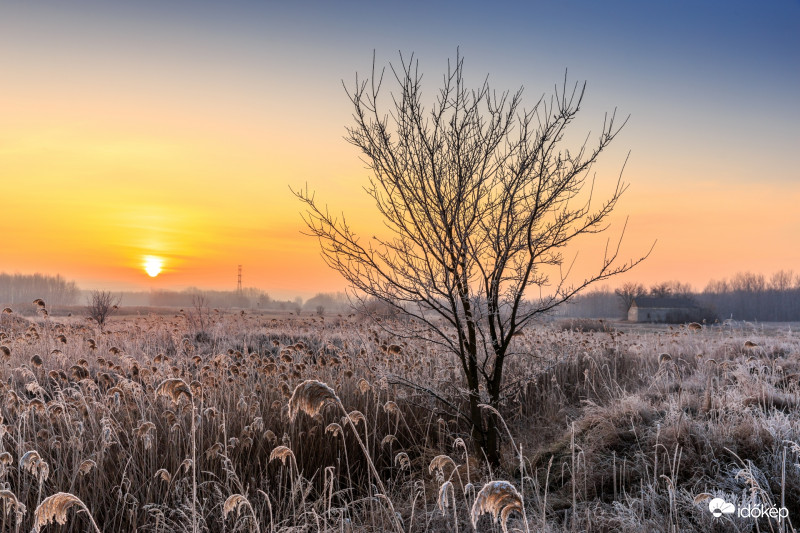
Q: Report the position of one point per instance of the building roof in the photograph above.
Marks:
(669, 302)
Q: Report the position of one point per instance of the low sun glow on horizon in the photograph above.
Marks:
(153, 265)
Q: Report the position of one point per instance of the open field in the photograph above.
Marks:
(629, 429)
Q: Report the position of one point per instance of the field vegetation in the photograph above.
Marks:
(327, 423)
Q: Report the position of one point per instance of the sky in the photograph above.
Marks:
(170, 132)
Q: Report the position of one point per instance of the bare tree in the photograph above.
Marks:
(781, 280)
(661, 290)
(629, 292)
(101, 305)
(674, 288)
(198, 318)
(479, 200)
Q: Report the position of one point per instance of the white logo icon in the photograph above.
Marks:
(718, 507)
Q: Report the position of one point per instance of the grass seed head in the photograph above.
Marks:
(234, 502)
(391, 408)
(402, 460)
(703, 496)
(11, 503)
(444, 502)
(334, 429)
(355, 417)
(86, 467)
(310, 397)
(281, 453)
(33, 463)
(164, 475)
(174, 388)
(500, 498)
(439, 462)
(54, 509)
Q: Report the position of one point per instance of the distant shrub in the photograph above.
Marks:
(202, 337)
(585, 325)
(697, 314)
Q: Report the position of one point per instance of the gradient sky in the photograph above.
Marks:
(174, 128)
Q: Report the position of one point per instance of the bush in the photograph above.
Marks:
(585, 325)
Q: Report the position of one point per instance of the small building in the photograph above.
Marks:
(665, 309)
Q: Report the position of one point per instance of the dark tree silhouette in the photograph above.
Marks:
(628, 292)
(101, 305)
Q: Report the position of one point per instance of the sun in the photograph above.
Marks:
(153, 265)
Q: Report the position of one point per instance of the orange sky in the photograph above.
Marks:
(122, 137)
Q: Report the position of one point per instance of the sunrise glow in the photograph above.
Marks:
(153, 265)
(174, 131)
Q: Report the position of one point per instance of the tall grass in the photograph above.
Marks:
(153, 428)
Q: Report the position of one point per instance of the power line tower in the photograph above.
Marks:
(239, 281)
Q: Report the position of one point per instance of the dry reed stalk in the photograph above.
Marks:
(444, 501)
(174, 389)
(310, 396)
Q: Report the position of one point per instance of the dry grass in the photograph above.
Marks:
(154, 429)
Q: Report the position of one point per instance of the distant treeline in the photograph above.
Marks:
(746, 296)
(749, 296)
(248, 298)
(20, 290)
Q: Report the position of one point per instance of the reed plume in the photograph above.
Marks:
(334, 429)
(54, 509)
(310, 397)
(164, 475)
(281, 453)
(86, 467)
(234, 502)
(500, 498)
(238, 502)
(402, 460)
(33, 463)
(11, 503)
(173, 388)
(439, 462)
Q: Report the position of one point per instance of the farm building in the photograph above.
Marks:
(669, 309)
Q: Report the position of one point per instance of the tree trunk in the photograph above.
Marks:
(476, 415)
(484, 430)
(493, 387)
(492, 449)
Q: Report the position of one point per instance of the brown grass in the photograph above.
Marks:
(618, 432)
